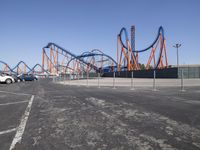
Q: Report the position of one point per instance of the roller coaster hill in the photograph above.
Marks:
(59, 61)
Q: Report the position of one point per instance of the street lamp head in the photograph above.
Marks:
(177, 45)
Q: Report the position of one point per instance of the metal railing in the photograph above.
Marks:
(96, 80)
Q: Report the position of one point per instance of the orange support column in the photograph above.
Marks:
(50, 61)
(24, 68)
(152, 55)
(166, 58)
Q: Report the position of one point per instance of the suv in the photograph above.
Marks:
(6, 78)
(27, 77)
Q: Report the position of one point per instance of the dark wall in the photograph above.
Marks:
(160, 73)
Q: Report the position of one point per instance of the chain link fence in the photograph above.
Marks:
(189, 72)
(95, 80)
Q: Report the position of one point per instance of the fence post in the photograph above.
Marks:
(70, 78)
(114, 80)
(154, 80)
(65, 79)
(182, 85)
(132, 88)
(98, 80)
(87, 79)
(78, 79)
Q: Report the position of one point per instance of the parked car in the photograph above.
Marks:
(27, 77)
(5, 78)
(16, 78)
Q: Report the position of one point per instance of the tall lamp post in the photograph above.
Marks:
(177, 46)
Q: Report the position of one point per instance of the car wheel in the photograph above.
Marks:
(8, 81)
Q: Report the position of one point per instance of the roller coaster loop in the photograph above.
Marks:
(129, 56)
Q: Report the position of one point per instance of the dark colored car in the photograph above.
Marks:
(27, 77)
(16, 78)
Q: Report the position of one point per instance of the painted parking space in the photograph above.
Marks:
(10, 115)
(12, 97)
(13, 111)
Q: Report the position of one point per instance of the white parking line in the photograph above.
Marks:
(7, 131)
(14, 103)
(14, 93)
(21, 128)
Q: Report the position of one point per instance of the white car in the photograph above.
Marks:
(6, 79)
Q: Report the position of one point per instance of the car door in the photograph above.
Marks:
(29, 77)
(2, 78)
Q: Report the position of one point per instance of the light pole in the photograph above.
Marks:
(177, 46)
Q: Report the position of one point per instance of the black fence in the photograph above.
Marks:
(160, 73)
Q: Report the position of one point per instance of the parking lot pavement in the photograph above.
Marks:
(6, 139)
(77, 117)
(12, 107)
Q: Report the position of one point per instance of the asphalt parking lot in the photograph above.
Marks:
(12, 109)
(61, 117)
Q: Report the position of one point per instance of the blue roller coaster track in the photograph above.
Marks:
(160, 33)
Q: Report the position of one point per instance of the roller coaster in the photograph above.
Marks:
(56, 60)
(22, 68)
(128, 56)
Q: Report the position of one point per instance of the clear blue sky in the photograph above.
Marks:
(81, 25)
